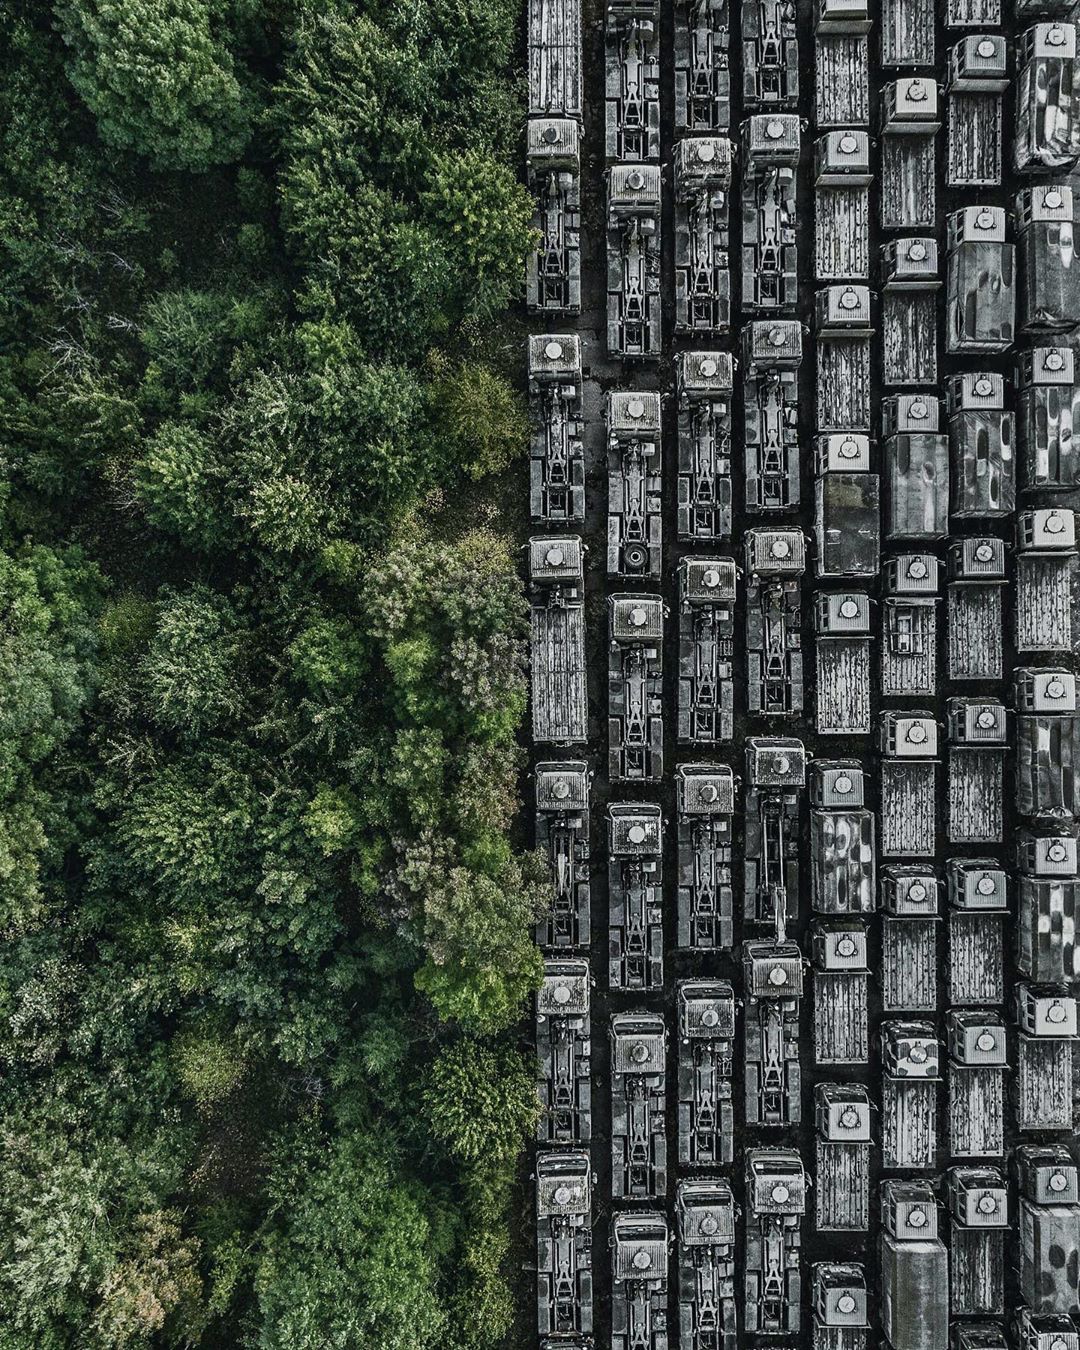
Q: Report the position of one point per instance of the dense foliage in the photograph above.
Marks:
(266, 936)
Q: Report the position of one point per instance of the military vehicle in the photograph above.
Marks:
(976, 1080)
(633, 465)
(978, 1219)
(776, 776)
(773, 987)
(564, 1048)
(772, 354)
(1048, 418)
(705, 804)
(978, 75)
(632, 80)
(639, 1274)
(702, 207)
(638, 1105)
(1047, 133)
(840, 969)
(843, 862)
(702, 66)
(556, 592)
(1046, 554)
(842, 1177)
(914, 1268)
(706, 1041)
(978, 908)
(633, 261)
(770, 145)
(635, 896)
(975, 615)
(562, 836)
(770, 53)
(842, 179)
(842, 651)
(706, 650)
(981, 438)
(844, 326)
(705, 1216)
(981, 299)
(635, 688)
(564, 1243)
(775, 1204)
(775, 562)
(704, 381)
(556, 458)
(910, 1073)
(909, 308)
(910, 121)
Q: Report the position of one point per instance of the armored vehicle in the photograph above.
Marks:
(633, 466)
(910, 1074)
(706, 649)
(842, 179)
(843, 875)
(639, 1275)
(977, 1066)
(770, 54)
(976, 787)
(978, 1219)
(632, 81)
(978, 77)
(772, 354)
(776, 776)
(842, 316)
(562, 836)
(838, 952)
(1049, 908)
(981, 302)
(909, 125)
(704, 382)
(914, 1268)
(1045, 576)
(909, 938)
(842, 1181)
(847, 516)
(635, 688)
(775, 1203)
(981, 438)
(702, 69)
(638, 1102)
(556, 459)
(564, 1048)
(842, 649)
(705, 800)
(978, 903)
(1047, 134)
(975, 617)
(702, 206)
(556, 590)
(909, 308)
(553, 160)
(1048, 418)
(706, 1042)
(705, 1211)
(635, 896)
(775, 562)
(1049, 1229)
(563, 1243)
(771, 145)
(633, 261)
(773, 985)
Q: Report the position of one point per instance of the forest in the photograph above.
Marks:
(267, 924)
